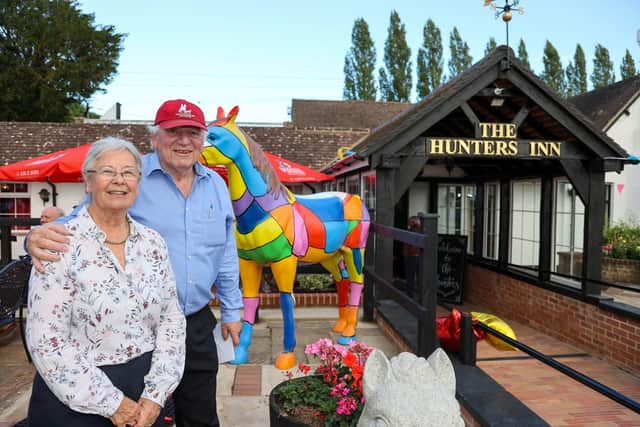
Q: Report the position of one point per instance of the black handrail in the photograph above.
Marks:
(578, 376)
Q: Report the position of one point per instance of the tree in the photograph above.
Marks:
(522, 54)
(359, 64)
(577, 74)
(603, 74)
(51, 56)
(628, 66)
(553, 74)
(491, 45)
(395, 79)
(460, 58)
(430, 62)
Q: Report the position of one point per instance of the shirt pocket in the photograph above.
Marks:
(210, 231)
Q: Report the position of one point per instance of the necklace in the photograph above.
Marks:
(122, 241)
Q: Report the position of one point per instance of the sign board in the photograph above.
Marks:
(452, 255)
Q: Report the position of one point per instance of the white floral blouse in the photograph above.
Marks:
(87, 311)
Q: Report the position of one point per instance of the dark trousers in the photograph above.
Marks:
(411, 269)
(195, 397)
(45, 410)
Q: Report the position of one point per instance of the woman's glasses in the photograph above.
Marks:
(109, 174)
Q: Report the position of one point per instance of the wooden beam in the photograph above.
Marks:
(579, 177)
(594, 225)
(478, 233)
(505, 220)
(521, 115)
(385, 212)
(409, 169)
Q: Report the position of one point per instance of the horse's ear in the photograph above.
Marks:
(376, 371)
(220, 113)
(233, 113)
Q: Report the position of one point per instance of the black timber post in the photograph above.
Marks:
(546, 232)
(428, 287)
(594, 225)
(368, 297)
(433, 197)
(5, 234)
(385, 215)
(478, 213)
(505, 208)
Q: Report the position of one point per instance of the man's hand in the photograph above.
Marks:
(45, 239)
(233, 329)
(149, 411)
(127, 413)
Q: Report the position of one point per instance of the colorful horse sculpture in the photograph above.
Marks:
(276, 228)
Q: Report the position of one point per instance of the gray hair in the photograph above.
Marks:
(106, 145)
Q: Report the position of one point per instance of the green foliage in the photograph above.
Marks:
(430, 62)
(460, 58)
(491, 45)
(315, 282)
(51, 56)
(522, 54)
(622, 239)
(359, 64)
(628, 66)
(603, 74)
(577, 74)
(395, 78)
(553, 74)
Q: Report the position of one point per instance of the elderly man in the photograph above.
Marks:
(49, 214)
(189, 205)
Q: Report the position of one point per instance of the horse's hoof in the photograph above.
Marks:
(285, 361)
(342, 340)
(241, 356)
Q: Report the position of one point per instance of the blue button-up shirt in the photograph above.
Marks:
(199, 232)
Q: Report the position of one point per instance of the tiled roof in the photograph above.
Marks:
(388, 131)
(344, 114)
(24, 140)
(605, 104)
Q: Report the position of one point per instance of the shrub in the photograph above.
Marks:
(315, 283)
(622, 238)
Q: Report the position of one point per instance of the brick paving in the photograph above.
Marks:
(243, 391)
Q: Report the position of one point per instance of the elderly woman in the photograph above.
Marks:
(104, 327)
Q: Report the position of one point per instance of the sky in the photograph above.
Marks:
(262, 54)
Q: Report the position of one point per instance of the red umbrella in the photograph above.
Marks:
(288, 171)
(60, 166)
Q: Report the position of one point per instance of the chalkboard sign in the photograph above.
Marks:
(452, 255)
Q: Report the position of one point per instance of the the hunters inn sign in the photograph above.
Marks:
(492, 139)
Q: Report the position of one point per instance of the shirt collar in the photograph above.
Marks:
(154, 165)
(89, 229)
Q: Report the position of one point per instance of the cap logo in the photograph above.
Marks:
(183, 111)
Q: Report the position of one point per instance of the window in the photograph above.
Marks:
(525, 223)
(353, 185)
(15, 202)
(456, 205)
(340, 184)
(491, 220)
(568, 230)
(369, 192)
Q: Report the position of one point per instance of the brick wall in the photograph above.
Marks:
(589, 327)
(621, 270)
(272, 300)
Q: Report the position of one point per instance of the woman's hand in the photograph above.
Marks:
(149, 411)
(43, 240)
(127, 413)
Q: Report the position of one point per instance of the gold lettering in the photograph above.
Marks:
(554, 148)
(489, 148)
(450, 147)
(476, 145)
(484, 128)
(464, 146)
(513, 148)
(436, 146)
(511, 130)
(501, 148)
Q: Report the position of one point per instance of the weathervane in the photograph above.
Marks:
(505, 11)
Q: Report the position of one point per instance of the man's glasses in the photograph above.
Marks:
(109, 174)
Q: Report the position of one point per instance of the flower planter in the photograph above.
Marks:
(276, 416)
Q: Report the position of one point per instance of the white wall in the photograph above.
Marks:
(418, 197)
(626, 132)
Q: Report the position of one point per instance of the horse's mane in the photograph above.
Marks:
(263, 166)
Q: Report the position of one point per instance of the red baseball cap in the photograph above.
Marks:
(179, 112)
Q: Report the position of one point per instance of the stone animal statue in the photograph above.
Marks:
(274, 227)
(410, 391)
